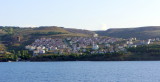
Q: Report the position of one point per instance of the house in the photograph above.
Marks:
(35, 52)
(42, 51)
(95, 35)
(95, 47)
(149, 41)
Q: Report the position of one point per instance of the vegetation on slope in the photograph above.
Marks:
(145, 52)
(140, 33)
(14, 39)
(12, 49)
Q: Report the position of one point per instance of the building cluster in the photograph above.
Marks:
(133, 42)
(41, 46)
(73, 45)
(81, 45)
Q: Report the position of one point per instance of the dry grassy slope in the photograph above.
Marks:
(26, 31)
(26, 34)
(67, 32)
(140, 33)
(2, 32)
(72, 34)
(50, 29)
(80, 31)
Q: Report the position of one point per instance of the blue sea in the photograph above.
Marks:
(80, 71)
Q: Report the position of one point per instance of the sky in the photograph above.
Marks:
(81, 14)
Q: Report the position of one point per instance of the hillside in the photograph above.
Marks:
(9, 34)
(79, 31)
(139, 33)
(45, 29)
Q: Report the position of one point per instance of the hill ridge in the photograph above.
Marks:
(146, 32)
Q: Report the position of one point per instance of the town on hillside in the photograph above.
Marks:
(58, 43)
(79, 45)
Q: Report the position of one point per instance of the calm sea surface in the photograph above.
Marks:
(77, 71)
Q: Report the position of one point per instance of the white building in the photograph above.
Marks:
(95, 35)
(95, 47)
(149, 41)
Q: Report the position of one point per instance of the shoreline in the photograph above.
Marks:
(82, 61)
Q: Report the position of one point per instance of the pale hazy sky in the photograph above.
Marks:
(82, 14)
